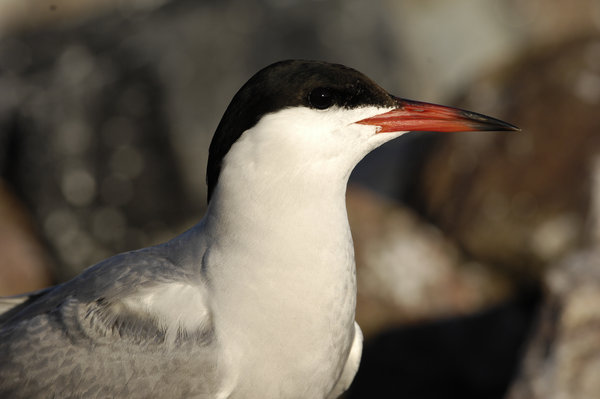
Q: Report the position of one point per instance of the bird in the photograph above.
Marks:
(256, 300)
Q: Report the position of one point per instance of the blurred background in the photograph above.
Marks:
(478, 269)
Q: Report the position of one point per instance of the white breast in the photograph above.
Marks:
(279, 263)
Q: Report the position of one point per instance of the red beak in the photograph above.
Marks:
(424, 117)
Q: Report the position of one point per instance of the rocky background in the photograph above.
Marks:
(478, 259)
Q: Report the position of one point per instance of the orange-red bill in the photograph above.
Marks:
(425, 117)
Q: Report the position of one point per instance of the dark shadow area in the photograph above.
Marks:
(464, 357)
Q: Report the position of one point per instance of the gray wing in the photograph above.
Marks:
(87, 338)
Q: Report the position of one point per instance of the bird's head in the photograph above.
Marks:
(296, 113)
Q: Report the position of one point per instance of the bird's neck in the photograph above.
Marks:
(280, 264)
(293, 233)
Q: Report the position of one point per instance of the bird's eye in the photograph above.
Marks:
(321, 98)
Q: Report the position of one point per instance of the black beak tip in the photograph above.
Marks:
(513, 128)
(502, 126)
(487, 123)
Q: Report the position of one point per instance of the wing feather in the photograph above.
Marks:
(123, 321)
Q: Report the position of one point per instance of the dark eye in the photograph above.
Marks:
(321, 98)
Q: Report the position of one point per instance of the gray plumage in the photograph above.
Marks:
(72, 339)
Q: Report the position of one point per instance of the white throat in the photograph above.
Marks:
(280, 258)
